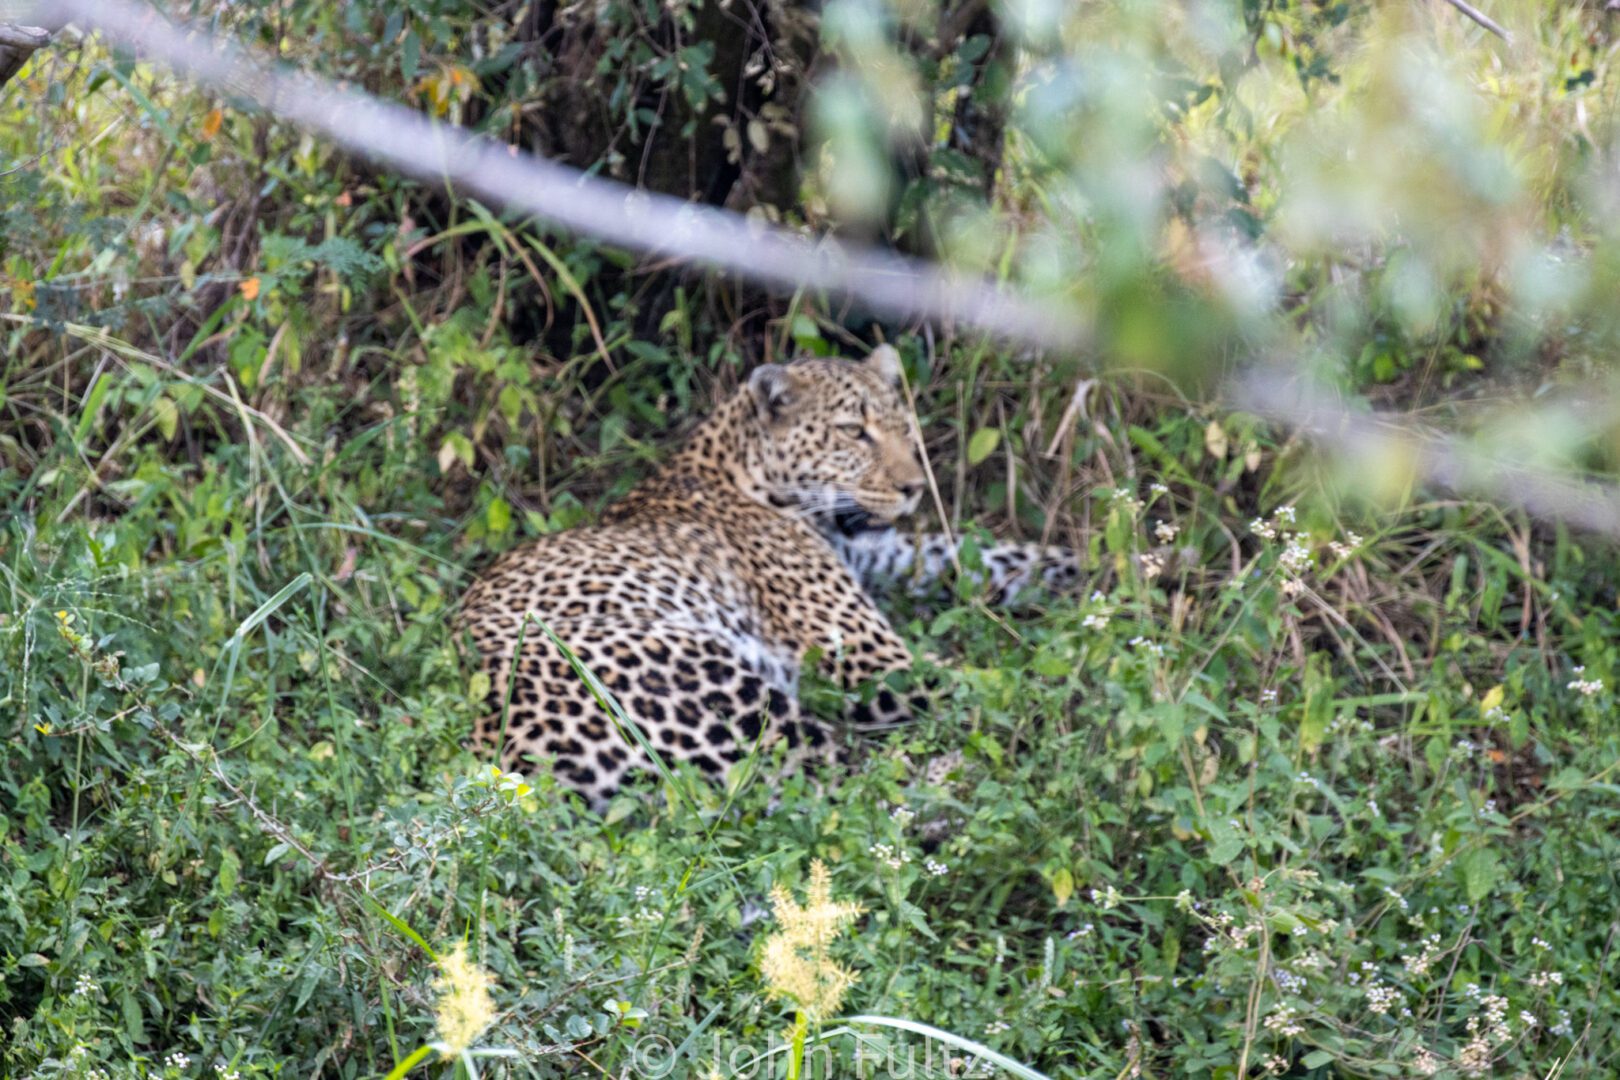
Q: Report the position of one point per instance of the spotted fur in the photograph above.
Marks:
(697, 597)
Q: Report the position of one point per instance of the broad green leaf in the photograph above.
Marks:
(983, 444)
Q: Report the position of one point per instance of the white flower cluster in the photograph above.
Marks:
(1126, 498)
(1420, 964)
(84, 986)
(1296, 557)
(1381, 997)
(1543, 979)
(1165, 532)
(935, 868)
(644, 913)
(1108, 898)
(176, 1060)
(1284, 1021)
(1281, 518)
(1151, 648)
(902, 815)
(890, 855)
(1588, 687)
(1288, 982)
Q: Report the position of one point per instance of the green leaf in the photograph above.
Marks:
(133, 1025)
(1480, 869)
(499, 515)
(1225, 850)
(983, 444)
(1316, 1059)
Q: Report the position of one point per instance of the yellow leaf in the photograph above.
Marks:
(1491, 700)
(1215, 440)
(168, 417)
(250, 288)
(1062, 885)
(211, 123)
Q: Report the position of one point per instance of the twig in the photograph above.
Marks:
(1480, 17)
(1440, 461)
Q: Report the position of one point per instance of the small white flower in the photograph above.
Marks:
(1380, 998)
(84, 986)
(177, 1060)
(935, 867)
(996, 1027)
(1095, 621)
(1284, 1021)
(1165, 531)
(1084, 931)
(1108, 898)
(902, 815)
(892, 857)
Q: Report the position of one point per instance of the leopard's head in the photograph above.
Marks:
(832, 441)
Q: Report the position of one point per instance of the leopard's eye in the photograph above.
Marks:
(854, 431)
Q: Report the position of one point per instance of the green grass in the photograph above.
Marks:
(237, 808)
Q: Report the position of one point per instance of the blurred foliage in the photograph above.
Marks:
(1272, 799)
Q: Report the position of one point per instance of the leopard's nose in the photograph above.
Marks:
(910, 491)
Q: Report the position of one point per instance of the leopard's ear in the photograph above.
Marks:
(772, 388)
(885, 360)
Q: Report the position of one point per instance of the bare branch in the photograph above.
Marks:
(640, 221)
(1438, 460)
(17, 44)
(1480, 17)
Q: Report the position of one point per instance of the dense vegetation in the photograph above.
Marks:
(1316, 778)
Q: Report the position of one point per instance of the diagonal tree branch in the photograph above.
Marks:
(639, 221)
(17, 44)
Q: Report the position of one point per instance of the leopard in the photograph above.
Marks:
(677, 626)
